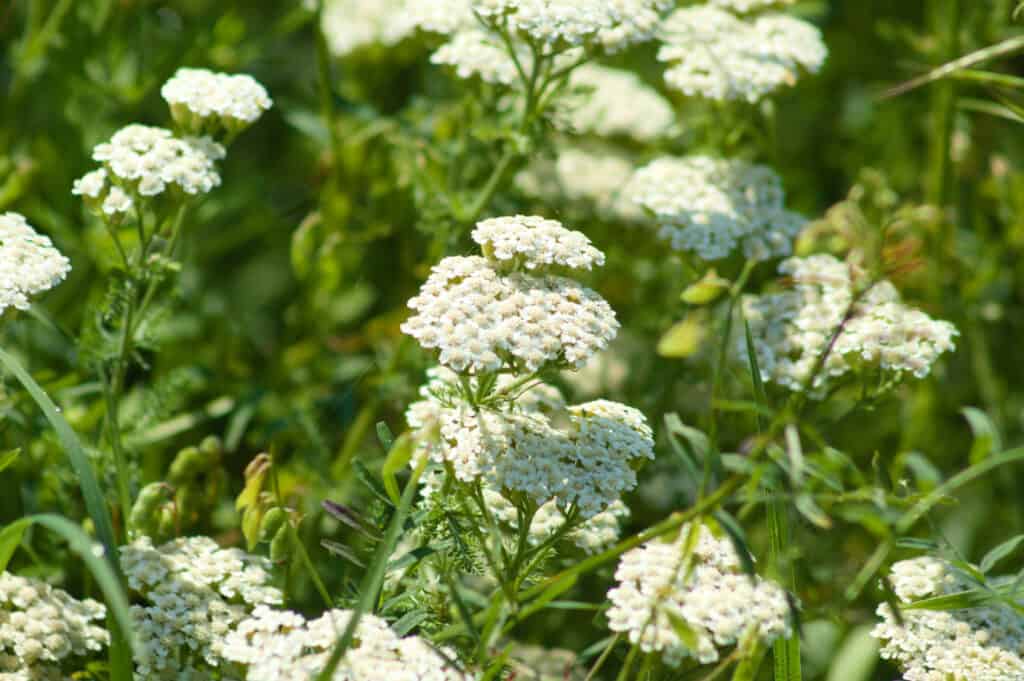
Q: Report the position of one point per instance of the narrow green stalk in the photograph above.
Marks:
(786, 651)
(627, 666)
(604, 657)
(723, 351)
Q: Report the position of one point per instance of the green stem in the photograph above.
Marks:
(723, 352)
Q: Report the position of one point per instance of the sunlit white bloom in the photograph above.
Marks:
(101, 195)
(42, 628)
(351, 25)
(712, 206)
(192, 594)
(980, 643)
(150, 160)
(534, 243)
(716, 601)
(29, 263)
(611, 102)
(792, 329)
(204, 101)
(477, 53)
(746, 6)
(479, 319)
(442, 16)
(284, 646)
(717, 55)
(595, 180)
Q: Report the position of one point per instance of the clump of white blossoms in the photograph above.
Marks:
(29, 263)
(746, 6)
(193, 594)
(981, 643)
(717, 55)
(712, 596)
(595, 180)
(611, 102)
(352, 25)
(43, 628)
(100, 195)
(793, 328)
(148, 161)
(478, 53)
(507, 311)
(283, 646)
(712, 206)
(202, 101)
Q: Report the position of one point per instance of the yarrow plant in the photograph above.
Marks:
(29, 263)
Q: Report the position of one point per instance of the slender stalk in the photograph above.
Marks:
(723, 352)
(604, 657)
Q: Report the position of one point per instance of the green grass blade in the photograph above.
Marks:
(786, 652)
(374, 578)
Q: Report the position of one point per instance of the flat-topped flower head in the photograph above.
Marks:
(534, 243)
(43, 628)
(610, 24)
(353, 25)
(717, 55)
(611, 102)
(442, 16)
(793, 328)
(480, 54)
(29, 263)
(284, 646)
(191, 593)
(481, 320)
(718, 602)
(202, 101)
(712, 206)
(980, 643)
(149, 161)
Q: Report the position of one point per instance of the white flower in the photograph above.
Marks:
(202, 100)
(594, 179)
(41, 627)
(193, 594)
(711, 596)
(283, 646)
(480, 320)
(477, 53)
(29, 264)
(747, 6)
(351, 25)
(792, 329)
(981, 643)
(611, 102)
(535, 243)
(710, 206)
(442, 16)
(101, 196)
(150, 160)
(716, 55)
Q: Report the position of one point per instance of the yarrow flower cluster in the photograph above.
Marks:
(712, 596)
(981, 643)
(352, 25)
(481, 317)
(193, 594)
(204, 101)
(147, 161)
(595, 180)
(746, 6)
(42, 628)
(283, 646)
(712, 206)
(29, 263)
(793, 328)
(478, 53)
(611, 102)
(717, 55)
(587, 465)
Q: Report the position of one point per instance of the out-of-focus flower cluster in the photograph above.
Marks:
(43, 628)
(283, 646)
(717, 55)
(193, 594)
(792, 329)
(609, 102)
(716, 601)
(481, 318)
(352, 25)
(29, 263)
(981, 643)
(712, 206)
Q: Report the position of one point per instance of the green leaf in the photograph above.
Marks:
(683, 339)
(387, 439)
(986, 435)
(856, 658)
(684, 631)
(755, 371)
(739, 541)
(397, 460)
(10, 538)
(8, 458)
(998, 553)
(251, 493)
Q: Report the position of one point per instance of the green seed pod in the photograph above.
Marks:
(211, 446)
(187, 465)
(147, 505)
(272, 522)
(190, 502)
(280, 545)
(167, 522)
